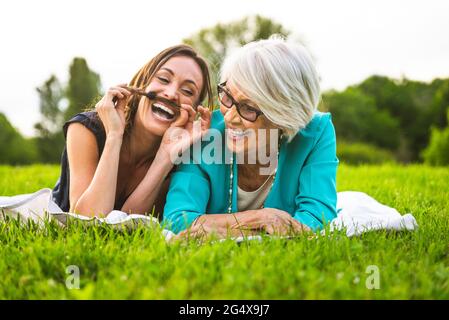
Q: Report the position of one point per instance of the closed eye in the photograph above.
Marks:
(162, 79)
(188, 92)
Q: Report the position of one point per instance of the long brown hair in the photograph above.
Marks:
(144, 76)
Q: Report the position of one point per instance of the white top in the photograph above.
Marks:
(251, 200)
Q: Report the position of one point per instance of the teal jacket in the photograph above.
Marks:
(304, 186)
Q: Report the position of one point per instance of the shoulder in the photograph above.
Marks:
(87, 128)
(89, 119)
(320, 122)
(319, 131)
(79, 137)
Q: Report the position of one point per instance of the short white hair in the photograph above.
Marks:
(280, 77)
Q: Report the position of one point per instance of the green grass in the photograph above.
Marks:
(140, 265)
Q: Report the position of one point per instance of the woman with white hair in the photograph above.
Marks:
(269, 93)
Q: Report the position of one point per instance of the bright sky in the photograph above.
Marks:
(350, 39)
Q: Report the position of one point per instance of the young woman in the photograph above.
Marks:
(267, 87)
(119, 156)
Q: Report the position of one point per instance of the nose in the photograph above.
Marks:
(232, 116)
(170, 92)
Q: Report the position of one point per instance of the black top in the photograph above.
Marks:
(61, 190)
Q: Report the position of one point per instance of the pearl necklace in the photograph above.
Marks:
(231, 178)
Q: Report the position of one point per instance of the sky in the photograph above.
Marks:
(349, 39)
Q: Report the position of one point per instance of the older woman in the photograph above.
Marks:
(267, 87)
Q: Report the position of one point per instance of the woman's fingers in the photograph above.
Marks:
(111, 109)
(282, 223)
(204, 113)
(205, 117)
(123, 89)
(182, 119)
(191, 112)
(113, 93)
(191, 233)
(116, 98)
(203, 121)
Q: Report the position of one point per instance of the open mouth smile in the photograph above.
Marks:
(163, 112)
(237, 134)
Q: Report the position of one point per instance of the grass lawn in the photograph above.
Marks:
(140, 265)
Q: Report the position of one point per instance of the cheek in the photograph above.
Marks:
(153, 86)
(143, 108)
(191, 101)
(223, 110)
(261, 132)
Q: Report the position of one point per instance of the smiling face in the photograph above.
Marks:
(179, 80)
(243, 136)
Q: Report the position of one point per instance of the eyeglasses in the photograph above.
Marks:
(245, 111)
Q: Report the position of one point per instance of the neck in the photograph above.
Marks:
(140, 145)
(259, 168)
(255, 170)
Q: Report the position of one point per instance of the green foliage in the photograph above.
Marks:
(15, 149)
(356, 119)
(362, 153)
(83, 88)
(50, 139)
(140, 265)
(391, 114)
(79, 94)
(437, 152)
(440, 104)
(416, 105)
(51, 95)
(49, 145)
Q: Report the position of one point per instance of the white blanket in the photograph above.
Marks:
(357, 212)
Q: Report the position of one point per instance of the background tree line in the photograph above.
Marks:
(380, 119)
(57, 103)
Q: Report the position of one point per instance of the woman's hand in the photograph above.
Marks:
(278, 222)
(113, 115)
(206, 226)
(247, 223)
(185, 131)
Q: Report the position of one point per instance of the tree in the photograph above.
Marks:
(15, 149)
(214, 43)
(440, 104)
(50, 98)
(410, 103)
(357, 119)
(83, 88)
(437, 152)
(80, 93)
(49, 139)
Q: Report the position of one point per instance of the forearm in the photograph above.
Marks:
(145, 195)
(99, 197)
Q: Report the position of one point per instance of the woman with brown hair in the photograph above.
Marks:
(119, 156)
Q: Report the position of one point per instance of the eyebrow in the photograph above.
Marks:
(172, 73)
